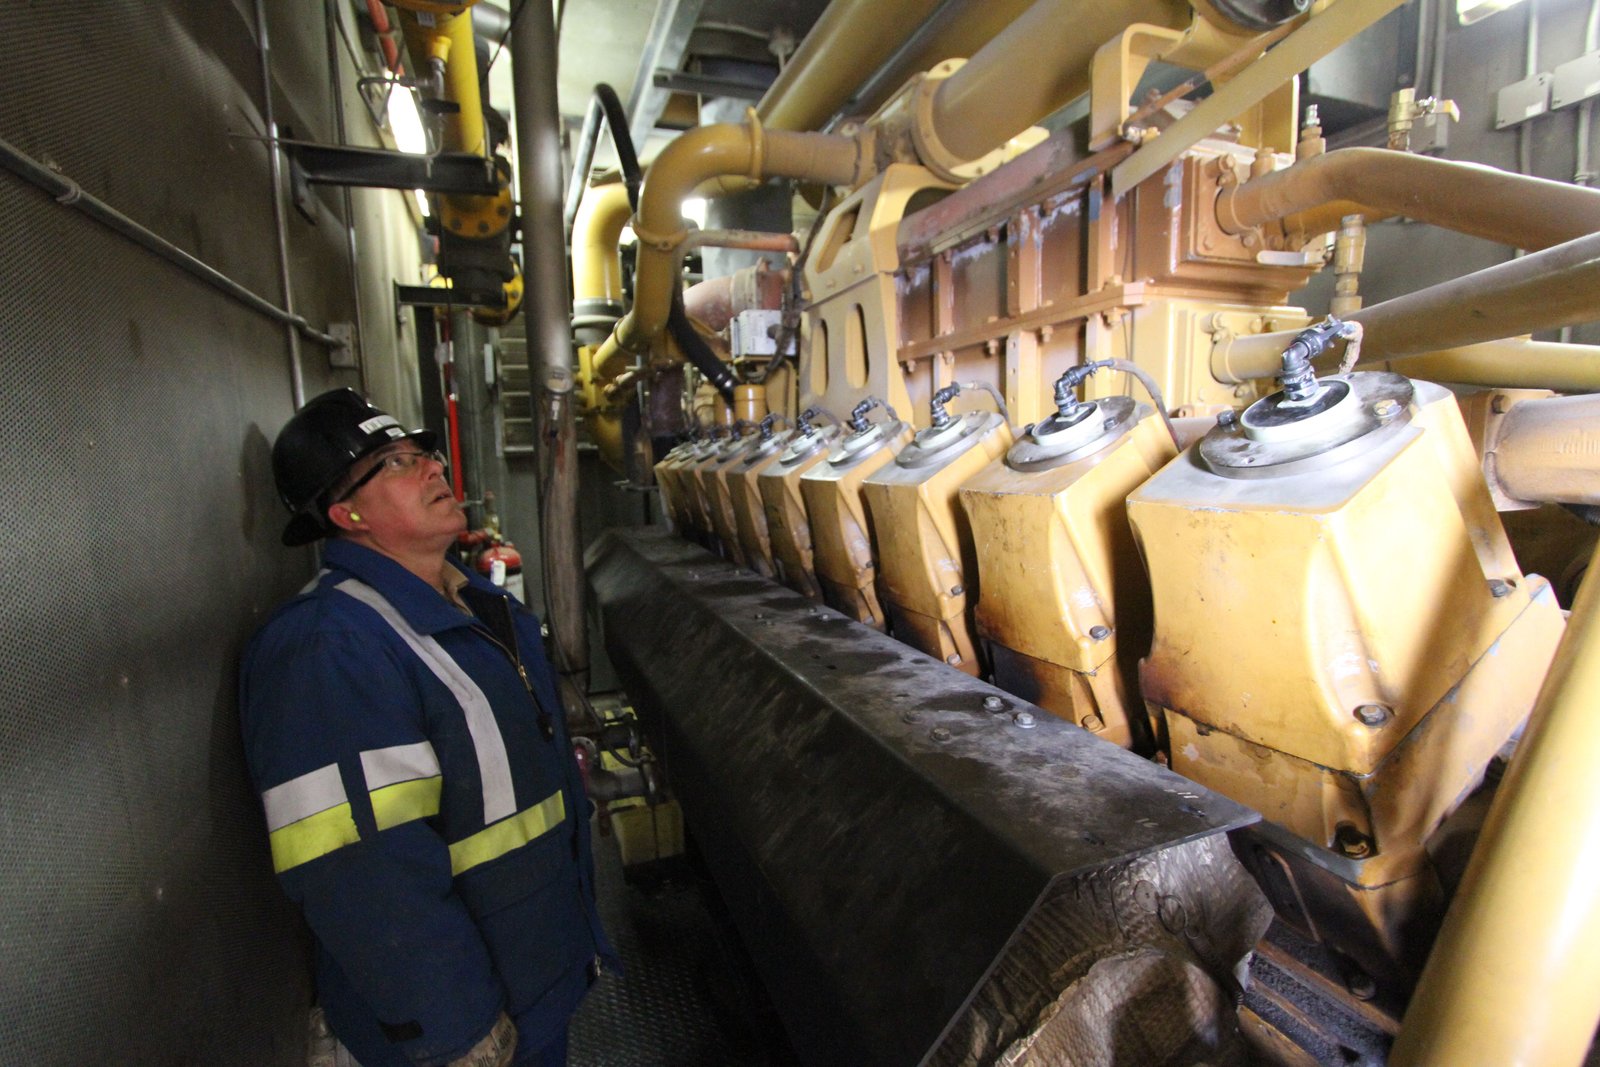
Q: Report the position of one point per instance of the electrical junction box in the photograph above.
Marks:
(1521, 101)
(755, 332)
(1576, 81)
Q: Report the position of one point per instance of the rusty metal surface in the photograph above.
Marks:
(879, 835)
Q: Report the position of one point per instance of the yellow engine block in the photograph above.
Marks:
(1064, 607)
(924, 544)
(788, 527)
(841, 533)
(1343, 641)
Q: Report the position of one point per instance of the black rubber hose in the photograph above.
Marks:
(695, 350)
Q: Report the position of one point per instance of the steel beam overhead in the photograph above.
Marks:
(664, 47)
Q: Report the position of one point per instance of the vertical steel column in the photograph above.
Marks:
(539, 180)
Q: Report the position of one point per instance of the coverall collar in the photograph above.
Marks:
(419, 603)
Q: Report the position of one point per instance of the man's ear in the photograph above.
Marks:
(345, 517)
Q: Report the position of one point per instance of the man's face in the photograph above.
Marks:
(407, 506)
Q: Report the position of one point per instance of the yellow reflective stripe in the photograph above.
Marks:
(313, 836)
(405, 801)
(495, 841)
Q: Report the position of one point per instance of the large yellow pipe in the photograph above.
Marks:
(1038, 64)
(960, 36)
(1511, 364)
(1512, 209)
(1514, 978)
(851, 40)
(449, 42)
(596, 262)
(744, 150)
(1548, 450)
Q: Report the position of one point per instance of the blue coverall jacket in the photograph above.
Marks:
(424, 809)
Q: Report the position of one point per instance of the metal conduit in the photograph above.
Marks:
(297, 380)
(1511, 209)
(69, 193)
(336, 89)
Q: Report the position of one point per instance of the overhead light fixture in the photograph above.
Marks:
(694, 209)
(1470, 11)
(405, 124)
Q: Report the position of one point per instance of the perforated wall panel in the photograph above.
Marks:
(139, 921)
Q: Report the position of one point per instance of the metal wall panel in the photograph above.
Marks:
(139, 920)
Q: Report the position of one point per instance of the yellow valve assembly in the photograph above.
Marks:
(749, 518)
(841, 531)
(778, 486)
(924, 544)
(1343, 641)
(1064, 606)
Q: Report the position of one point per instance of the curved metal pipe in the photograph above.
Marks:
(596, 264)
(697, 156)
(1512, 209)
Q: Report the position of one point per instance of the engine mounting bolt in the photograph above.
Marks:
(911, 718)
(1386, 409)
(993, 704)
(1023, 719)
(957, 590)
(1361, 985)
(1499, 587)
(1099, 633)
(953, 658)
(1352, 842)
(1227, 419)
(1372, 714)
(939, 733)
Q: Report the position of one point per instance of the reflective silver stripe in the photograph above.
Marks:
(401, 763)
(302, 797)
(494, 768)
(312, 584)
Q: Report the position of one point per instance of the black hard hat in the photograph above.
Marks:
(319, 444)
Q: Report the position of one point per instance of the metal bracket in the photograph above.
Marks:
(462, 173)
(436, 296)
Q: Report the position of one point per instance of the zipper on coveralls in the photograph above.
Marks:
(546, 724)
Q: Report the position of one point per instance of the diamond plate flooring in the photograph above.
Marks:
(679, 1001)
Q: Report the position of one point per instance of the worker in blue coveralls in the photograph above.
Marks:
(423, 805)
